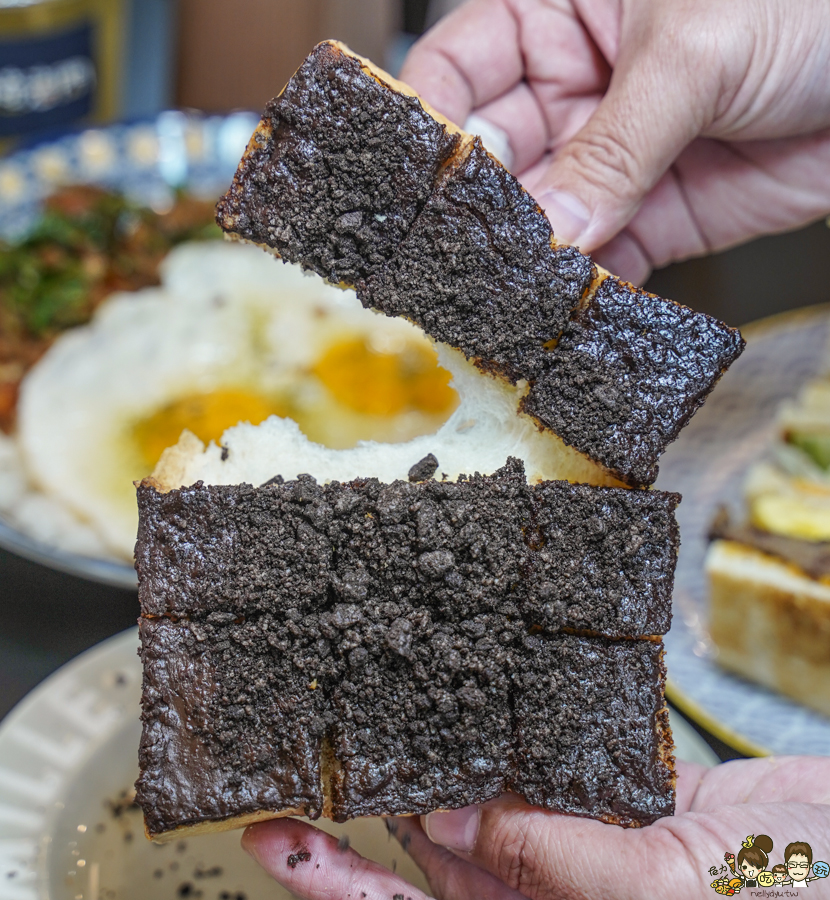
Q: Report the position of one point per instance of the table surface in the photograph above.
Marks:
(48, 618)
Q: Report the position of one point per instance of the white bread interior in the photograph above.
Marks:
(478, 437)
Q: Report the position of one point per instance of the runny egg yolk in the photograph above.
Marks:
(361, 381)
(207, 415)
(385, 384)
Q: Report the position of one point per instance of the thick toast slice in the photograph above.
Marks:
(588, 559)
(247, 720)
(770, 622)
(368, 649)
(352, 175)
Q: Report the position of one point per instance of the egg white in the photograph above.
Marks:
(225, 315)
(484, 430)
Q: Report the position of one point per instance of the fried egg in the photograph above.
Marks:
(230, 336)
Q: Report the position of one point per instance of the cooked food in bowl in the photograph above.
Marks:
(88, 243)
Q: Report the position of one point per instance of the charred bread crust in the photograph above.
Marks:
(451, 714)
(352, 175)
(585, 558)
(628, 373)
(338, 169)
(477, 270)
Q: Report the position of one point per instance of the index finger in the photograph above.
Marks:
(469, 58)
(313, 865)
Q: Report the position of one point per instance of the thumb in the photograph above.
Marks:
(537, 853)
(543, 855)
(598, 179)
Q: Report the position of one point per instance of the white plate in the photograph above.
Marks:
(707, 465)
(67, 760)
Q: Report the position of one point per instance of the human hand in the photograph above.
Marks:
(507, 850)
(648, 131)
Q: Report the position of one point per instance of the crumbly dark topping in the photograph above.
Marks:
(600, 754)
(424, 469)
(561, 555)
(452, 547)
(419, 714)
(605, 555)
(423, 714)
(208, 549)
(477, 270)
(343, 167)
(350, 178)
(230, 724)
(628, 373)
(401, 625)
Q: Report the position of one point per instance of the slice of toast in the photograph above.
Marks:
(351, 175)
(249, 719)
(367, 649)
(770, 622)
(338, 168)
(587, 559)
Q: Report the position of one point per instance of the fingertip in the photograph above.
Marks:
(282, 846)
(247, 842)
(569, 216)
(624, 257)
(456, 829)
(251, 839)
(437, 81)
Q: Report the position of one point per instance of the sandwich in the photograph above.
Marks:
(372, 649)
(769, 570)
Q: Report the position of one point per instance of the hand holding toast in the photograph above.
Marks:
(505, 849)
(649, 131)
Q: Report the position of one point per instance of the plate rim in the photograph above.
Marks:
(688, 705)
(697, 713)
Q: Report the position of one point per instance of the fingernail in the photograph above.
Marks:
(454, 828)
(568, 215)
